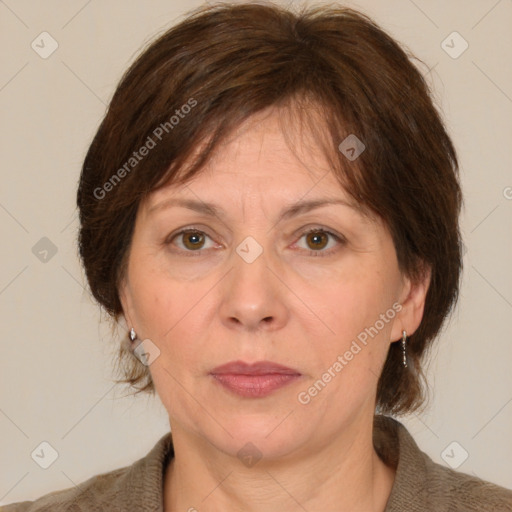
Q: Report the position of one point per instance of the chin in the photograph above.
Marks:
(258, 435)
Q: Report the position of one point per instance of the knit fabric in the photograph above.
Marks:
(420, 484)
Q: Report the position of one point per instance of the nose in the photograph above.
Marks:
(253, 296)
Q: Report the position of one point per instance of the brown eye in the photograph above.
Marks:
(193, 240)
(317, 239)
(321, 242)
(190, 242)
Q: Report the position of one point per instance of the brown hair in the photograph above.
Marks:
(224, 63)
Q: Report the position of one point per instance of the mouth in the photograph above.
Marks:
(255, 380)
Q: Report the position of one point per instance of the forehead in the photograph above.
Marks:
(271, 143)
(264, 173)
(266, 154)
(261, 168)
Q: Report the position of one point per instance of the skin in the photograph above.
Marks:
(291, 306)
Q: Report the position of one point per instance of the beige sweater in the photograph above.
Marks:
(420, 484)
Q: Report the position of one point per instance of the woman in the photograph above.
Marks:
(271, 204)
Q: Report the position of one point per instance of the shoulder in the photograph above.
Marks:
(421, 485)
(89, 495)
(462, 492)
(134, 487)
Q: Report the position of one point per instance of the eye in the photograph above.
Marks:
(317, 239)
(190, 241)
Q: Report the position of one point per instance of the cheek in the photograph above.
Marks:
(157, 299)
(171, 313)
(352, 299)
(357, 307)
(167, 313)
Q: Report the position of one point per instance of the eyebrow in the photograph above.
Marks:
(288, 212)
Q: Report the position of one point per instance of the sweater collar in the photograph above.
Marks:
(397, 448)
(145, 480)
(391, 439)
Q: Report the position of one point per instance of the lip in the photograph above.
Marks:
(255, 380)
(258, 368)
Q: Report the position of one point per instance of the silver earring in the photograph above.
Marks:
(404, 339)
(133, 335)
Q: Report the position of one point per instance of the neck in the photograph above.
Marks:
(343, 474)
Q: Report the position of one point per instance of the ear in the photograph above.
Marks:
(412, 300)
(126, 302)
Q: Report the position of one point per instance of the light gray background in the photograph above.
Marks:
(56, 358)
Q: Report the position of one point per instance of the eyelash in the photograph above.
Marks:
(320, 253)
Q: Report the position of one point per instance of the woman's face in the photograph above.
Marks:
(248, 283)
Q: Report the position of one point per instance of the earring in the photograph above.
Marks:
(132, 334)
(404, 339)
